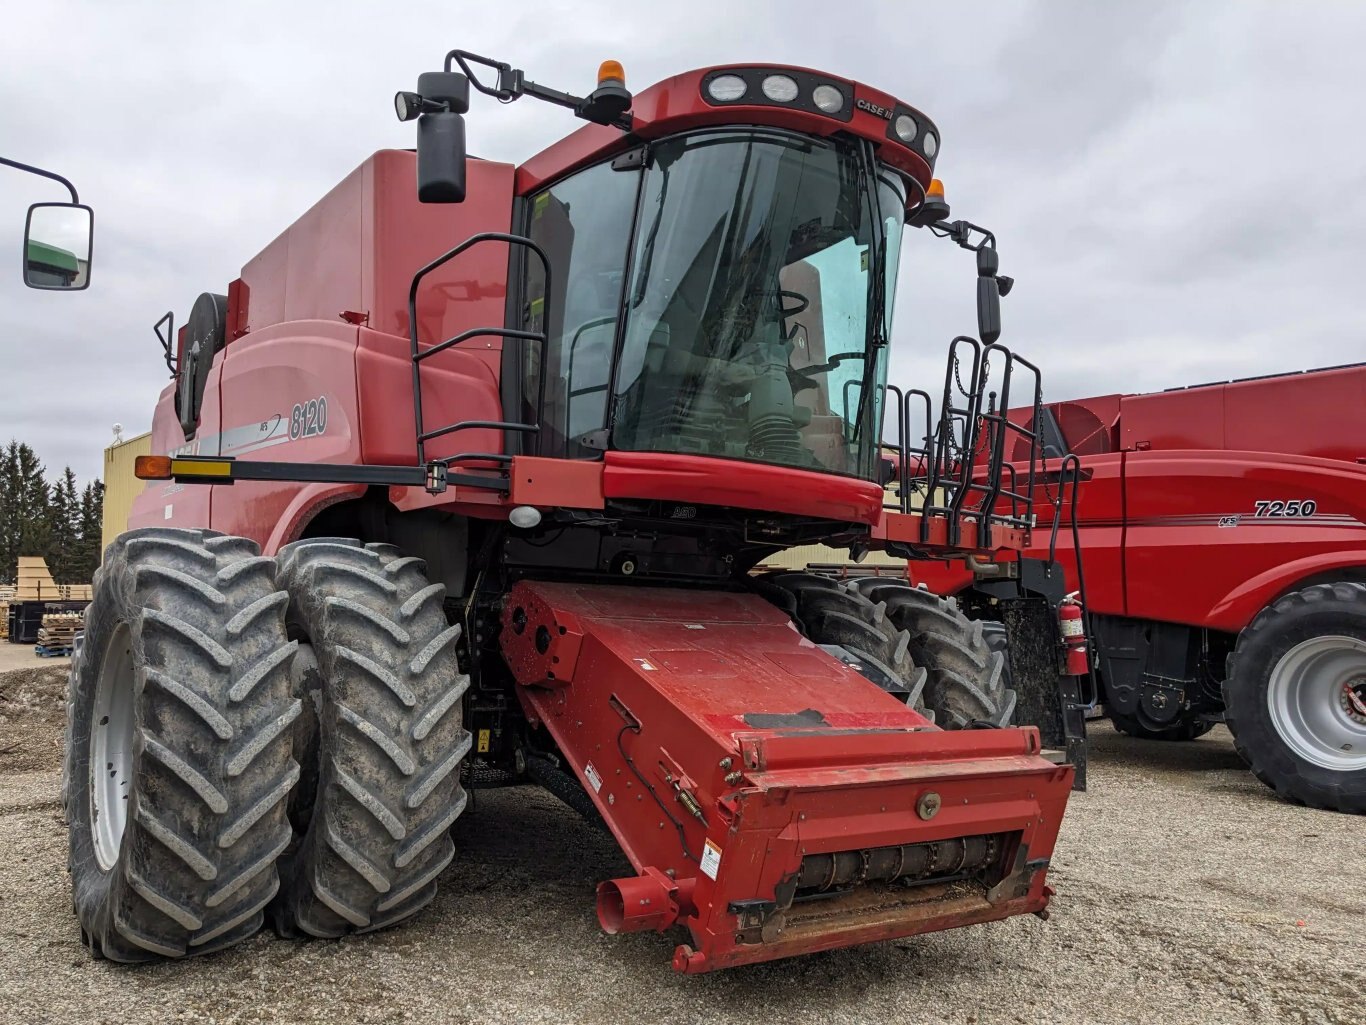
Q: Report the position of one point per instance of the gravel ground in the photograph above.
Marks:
(1186, 893)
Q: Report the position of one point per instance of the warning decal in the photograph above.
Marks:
(711, 859)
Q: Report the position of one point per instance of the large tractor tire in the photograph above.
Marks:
(377, 664)
(1295, 696)
(967, 681)
(178, 757)
(833, 614)
(1188, 727)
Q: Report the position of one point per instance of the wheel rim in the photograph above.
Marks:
(1317, 699)
(111, 749)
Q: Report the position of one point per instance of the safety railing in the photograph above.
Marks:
(957, 470)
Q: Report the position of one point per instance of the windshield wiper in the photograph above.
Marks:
(875, 336)
(647, 255)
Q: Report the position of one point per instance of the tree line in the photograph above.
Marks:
(54, 519)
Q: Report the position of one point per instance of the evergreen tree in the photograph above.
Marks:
(64, 524)
(91, 527)
(34, 504)
(60, 522)
(11, 488)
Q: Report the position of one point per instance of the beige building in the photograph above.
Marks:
(120, 486)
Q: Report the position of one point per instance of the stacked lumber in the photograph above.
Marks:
(36, 583)
(58, 631)
(4, 620)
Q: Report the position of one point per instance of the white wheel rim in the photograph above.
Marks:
(111, 748)
(1317, 699)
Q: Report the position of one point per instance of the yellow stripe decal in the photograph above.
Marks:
(200, 468)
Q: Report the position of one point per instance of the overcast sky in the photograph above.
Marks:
(1178, 189)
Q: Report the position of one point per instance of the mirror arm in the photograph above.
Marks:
(44, 174)
(513, 85)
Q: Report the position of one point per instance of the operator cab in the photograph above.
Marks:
(728, 297)
(724, 250)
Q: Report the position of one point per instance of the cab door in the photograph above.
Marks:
(584, 224)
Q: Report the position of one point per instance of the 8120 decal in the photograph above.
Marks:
(1290, 507)
(308, 419)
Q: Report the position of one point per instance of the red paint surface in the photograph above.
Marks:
(688, 666)
(1166, 468)
(704, 480)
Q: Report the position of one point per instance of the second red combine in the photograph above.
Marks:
(526, 481)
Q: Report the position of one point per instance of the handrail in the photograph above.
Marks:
(418, 354)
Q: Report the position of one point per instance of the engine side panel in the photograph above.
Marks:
(1203, 526)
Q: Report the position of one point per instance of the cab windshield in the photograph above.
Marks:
(748, 331)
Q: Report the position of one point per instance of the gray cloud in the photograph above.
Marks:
(1177, 188)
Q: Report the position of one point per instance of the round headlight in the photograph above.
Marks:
(828, 98)
(905, 128)
(779, 88)
(726, 88)
(931, 144)
(525, 516)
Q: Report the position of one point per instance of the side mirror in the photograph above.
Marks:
(441, 98)
(58, 240)
(988, 310)
(989, 294)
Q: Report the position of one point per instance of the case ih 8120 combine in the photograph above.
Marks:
(1224, 534)
(525, 480)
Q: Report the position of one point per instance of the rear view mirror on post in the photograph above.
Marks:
(58, 240)
(441, 98)
(988, 310)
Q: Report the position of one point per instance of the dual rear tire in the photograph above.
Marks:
(207, 675)
(914, 644)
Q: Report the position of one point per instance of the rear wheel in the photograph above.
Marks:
(178, 752)
(377, 660)
(967, 680)
(1296, 696)
(835, 615)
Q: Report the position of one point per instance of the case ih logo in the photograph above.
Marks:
(872, 108)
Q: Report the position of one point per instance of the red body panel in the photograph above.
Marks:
(354, 252)
(787, 752)
(1170, 523)
(729, 482)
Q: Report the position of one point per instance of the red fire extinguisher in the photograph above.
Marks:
(1072, 627)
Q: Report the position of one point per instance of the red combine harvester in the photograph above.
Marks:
(1225, 566)
(527, 480)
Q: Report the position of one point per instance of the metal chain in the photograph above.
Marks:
(958, 380)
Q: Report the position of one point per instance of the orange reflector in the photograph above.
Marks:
(609, 70)
(152, 468)
(936, 188)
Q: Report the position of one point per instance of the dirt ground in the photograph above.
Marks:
(1186, 893)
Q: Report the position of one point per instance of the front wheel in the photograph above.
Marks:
(1296, 696)
(178, 759)
(378, 667)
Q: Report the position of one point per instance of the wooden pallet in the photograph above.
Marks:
(58, 630)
